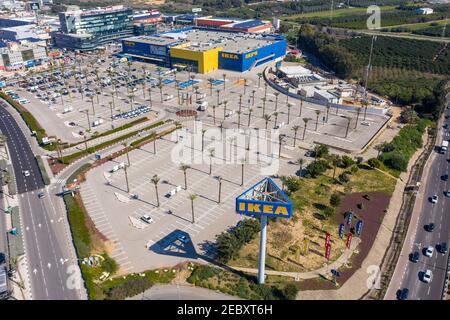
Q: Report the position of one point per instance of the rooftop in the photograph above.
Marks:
(161, 41)
(205, 39)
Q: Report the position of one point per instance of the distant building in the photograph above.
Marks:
(87, 29)
(425, 10)
(16, 56)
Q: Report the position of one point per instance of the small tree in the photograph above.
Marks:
(374, 163)
(335, 199)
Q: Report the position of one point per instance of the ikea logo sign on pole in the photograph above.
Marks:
(278, 210)
(264, 199)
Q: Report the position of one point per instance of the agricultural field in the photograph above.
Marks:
(427, 57)
(356, 18)
(431, 29)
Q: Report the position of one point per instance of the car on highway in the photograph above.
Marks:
(429, 227)
(403, 294)
(434, 198)
(444, 177)
(427, 276)
(447, 193)
(26, 173)
(146, 218)
(442, 247)
(414, 257)
(41, 195)
(428, 251)
(446, 126)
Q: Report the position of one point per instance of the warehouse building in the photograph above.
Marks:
(205, 50)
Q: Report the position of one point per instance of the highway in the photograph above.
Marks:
(408, 274)
(47, 244)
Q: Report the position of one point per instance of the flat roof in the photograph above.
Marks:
(162, 41)
(237, 42)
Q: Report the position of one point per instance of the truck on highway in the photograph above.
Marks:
(444, 146)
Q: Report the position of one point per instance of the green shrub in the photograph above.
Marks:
(109, 264)
(316, 168)
(201, 273)
(290, 291)
(346, 161)
(374, 163)
(335, 199)
(231, 241)
(344, 178)
(129, 288)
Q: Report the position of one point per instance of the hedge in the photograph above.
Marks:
(44, 174)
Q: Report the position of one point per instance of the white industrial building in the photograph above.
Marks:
(16, 56)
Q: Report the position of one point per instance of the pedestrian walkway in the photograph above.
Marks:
(321, 272)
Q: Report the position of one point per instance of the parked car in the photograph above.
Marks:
(434, 198)
(183, 238)
(146, 218)
(414, 257)
(443, 247)
(444, 177)
(429, 251)
(429, 227)
(403, 294)
(427, 276)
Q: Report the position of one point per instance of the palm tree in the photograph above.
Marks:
(210, 82)
(328, 111)
(160, 86)
(225, 108)
(365, 104)
(289, 106)
(348, 125)
(184, 167)
(276, 118)
(211, 155)
(305, 120)
(240, 102)
(317, 118)
(144, 86)
(301, 107)
(149, 90)
(192, 197)
(334, 161)
(203, 139)
(250, 110)
(280, 143)
(219, 179)
(193, 79)
(295, 129)
(131, 97)
(242, 171)
(259, 78)
(276, 100)
(125, 145)
(265, 89)
(358, 112)
(214, 113)
(224, 76)
(153, 136)
(218, 96)
(300, 162)
(91, 100)
(239, 118)
(155, 179)
(126, 178)
(264, 106)
(245, 86)
(267, 119)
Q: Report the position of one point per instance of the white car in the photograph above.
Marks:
(434, 199)
(26, 173)
(146, 218)
(427, 276)
(429, 251)
(365, 123)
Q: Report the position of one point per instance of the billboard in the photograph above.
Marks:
(264, 199)
(341, 230)
(328, 251)
(359, 226)
(349, 240)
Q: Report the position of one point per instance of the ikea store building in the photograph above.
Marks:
(205, 50)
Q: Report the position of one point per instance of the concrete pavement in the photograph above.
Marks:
(181, 292)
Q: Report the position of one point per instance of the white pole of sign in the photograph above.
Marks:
(262, 250)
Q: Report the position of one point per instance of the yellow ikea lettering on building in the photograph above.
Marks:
(229, 56)
(263, 208)
(128, 43)
(251, 54)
